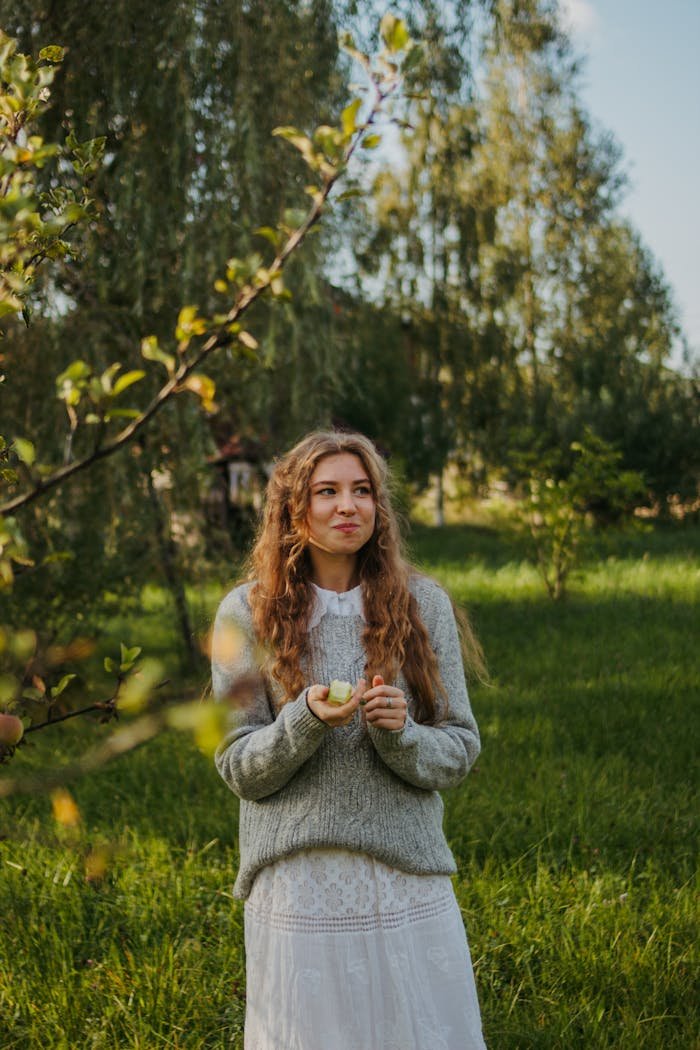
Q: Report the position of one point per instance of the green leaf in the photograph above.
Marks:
(371, 141)
(110, 665)
(107, 377)
(127, 380)
(76, 371)
(25, 451)
(9, 306)
(248, 340)
(413, 59)
(65, 681)
(299, 141)
(270, 234)
(347, 194)
(52, 53)
(348, 118)
(329, 139)
(30, 693)
(394, 32)
(136, 691)
(189, 324)
(129, 655)
(203, 386)
(153, 352)
(122, 413)
(96, 389)
(294, 217)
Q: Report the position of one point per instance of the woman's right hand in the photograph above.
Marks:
(334, 714)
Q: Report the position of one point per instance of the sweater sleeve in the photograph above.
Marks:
(261, 751)
(439, 756)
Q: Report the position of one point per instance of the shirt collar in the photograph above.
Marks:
(345, 603)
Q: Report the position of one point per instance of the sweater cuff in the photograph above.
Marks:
(301, 719)
(394, 739)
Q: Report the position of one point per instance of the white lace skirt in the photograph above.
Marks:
(345, 953)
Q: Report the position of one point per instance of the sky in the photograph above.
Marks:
(641, 81)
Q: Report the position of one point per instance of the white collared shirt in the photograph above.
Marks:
(345, 603)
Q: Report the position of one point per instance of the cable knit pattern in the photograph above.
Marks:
(305, 785)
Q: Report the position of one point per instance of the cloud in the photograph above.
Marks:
(580, 19)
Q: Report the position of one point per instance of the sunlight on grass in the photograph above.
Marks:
(575, 834)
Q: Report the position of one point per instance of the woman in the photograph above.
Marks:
(353, 936)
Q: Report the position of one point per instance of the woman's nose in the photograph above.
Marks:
(346, 502)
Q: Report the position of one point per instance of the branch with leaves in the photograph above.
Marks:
(33, 224)
(327, 154)
(93, 400)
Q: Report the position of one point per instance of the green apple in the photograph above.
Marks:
(339, 692)
(11, 730)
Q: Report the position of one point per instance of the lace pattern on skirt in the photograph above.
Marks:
(343, 951)
(336, 891)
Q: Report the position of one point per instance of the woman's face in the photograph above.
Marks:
(341, 513)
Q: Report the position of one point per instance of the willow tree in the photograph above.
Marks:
(92, 396)
(186, 94)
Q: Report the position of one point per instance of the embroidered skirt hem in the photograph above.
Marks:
(343, 951)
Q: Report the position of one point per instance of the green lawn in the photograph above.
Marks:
(575, 835)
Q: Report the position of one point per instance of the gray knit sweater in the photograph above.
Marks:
(303, 784)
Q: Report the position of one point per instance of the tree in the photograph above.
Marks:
(92, 397)
(529, 309)
(566, 506)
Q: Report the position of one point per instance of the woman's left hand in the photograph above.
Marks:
(384, 706)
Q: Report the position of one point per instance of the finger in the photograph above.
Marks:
(343, 710)
(397, 706)
(375, 699)
(377, 680)
(395, 695)
(377, 712)
(386, 723)
(360, 689)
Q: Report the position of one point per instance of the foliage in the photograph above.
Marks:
(92, 397)
(34, 225)
(564, 510)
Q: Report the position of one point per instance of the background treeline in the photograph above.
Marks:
(483, 301)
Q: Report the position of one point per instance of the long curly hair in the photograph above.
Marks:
(281, 596)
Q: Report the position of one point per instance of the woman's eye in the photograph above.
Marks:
(363, 490)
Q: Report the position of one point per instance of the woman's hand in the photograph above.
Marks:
(334, 714)
(384, 706)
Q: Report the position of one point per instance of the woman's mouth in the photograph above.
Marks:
(346, 528)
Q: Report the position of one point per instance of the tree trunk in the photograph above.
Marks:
(440, 501)
(168, 557)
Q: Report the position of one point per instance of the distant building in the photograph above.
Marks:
(242, 468)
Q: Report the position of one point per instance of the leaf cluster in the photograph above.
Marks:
(33, 224)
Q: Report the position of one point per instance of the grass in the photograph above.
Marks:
(575, 835)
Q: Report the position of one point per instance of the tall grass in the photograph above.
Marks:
(575, 835)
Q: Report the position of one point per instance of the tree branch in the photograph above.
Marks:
(222, 336)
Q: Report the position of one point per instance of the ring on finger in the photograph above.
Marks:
(389, 702)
